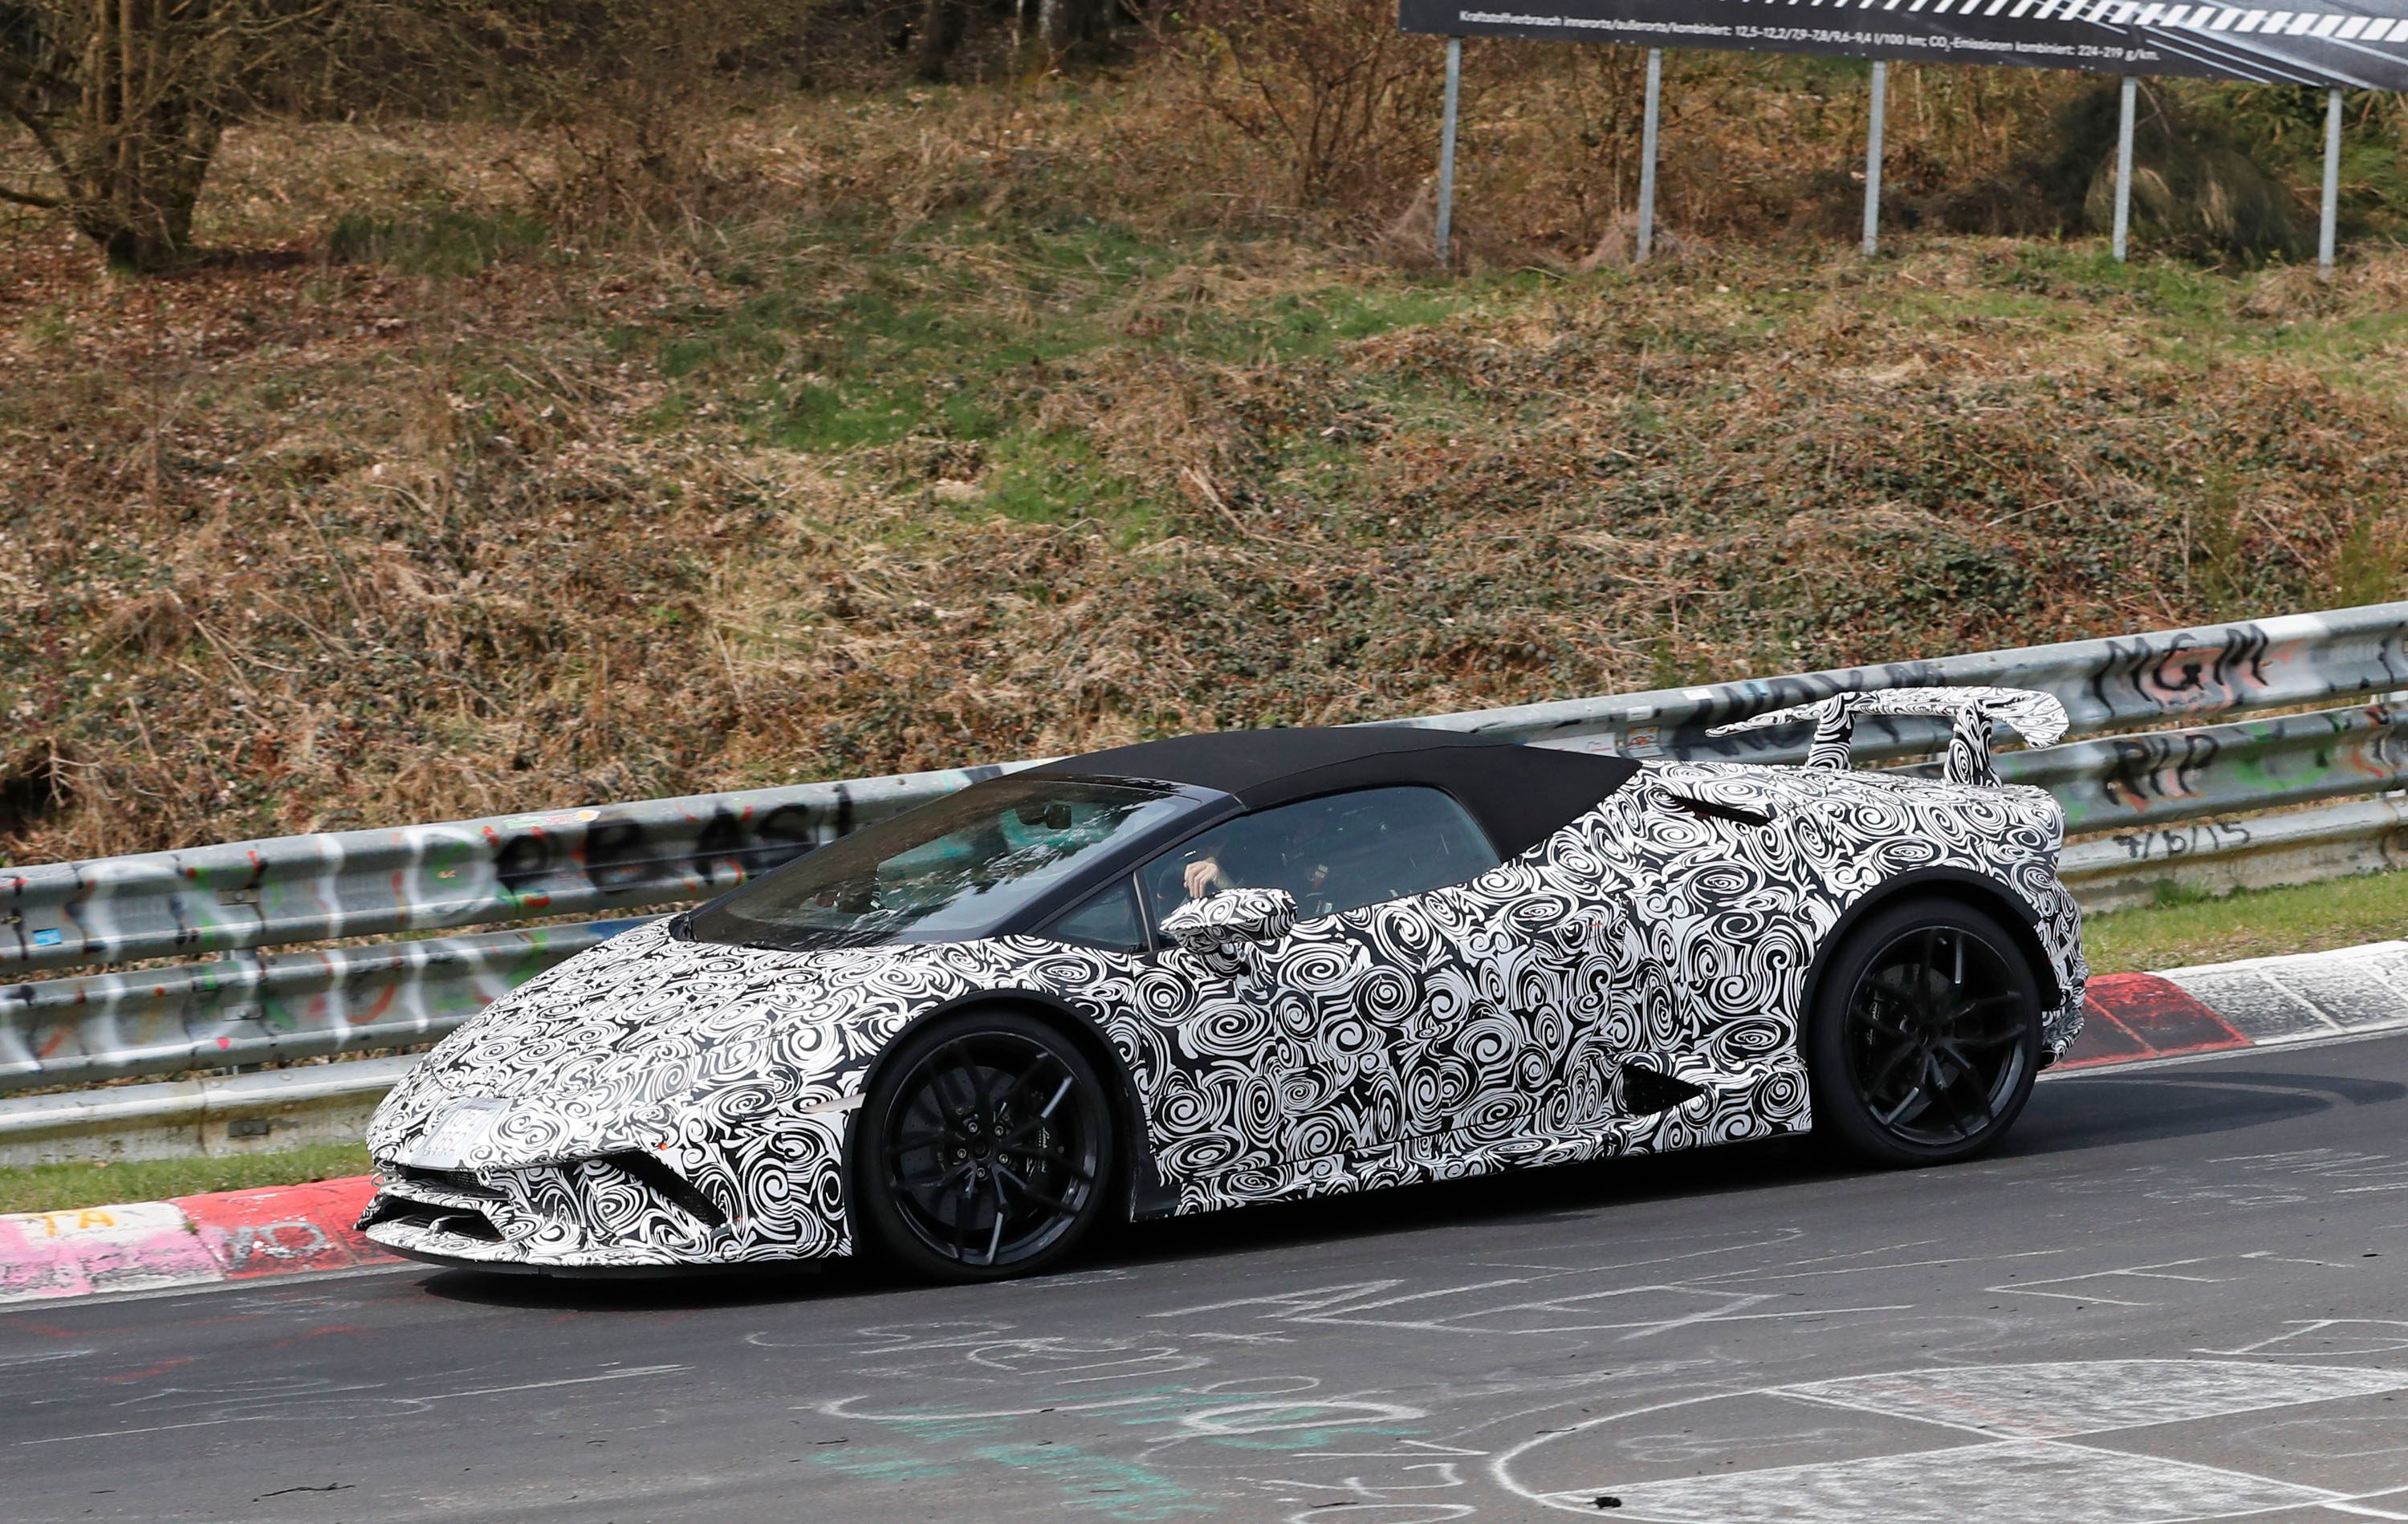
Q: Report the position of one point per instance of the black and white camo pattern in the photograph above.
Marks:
(1203, 925)
(2039, 718)
(1477, 1027)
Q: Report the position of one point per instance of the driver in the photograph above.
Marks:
(1294, 864)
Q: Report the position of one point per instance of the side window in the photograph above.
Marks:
(1333, 853)
(1108, 919)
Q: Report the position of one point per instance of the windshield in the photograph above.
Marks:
(949, 870)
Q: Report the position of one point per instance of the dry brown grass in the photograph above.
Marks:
(985, 423)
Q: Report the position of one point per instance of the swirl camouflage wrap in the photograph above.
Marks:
(657, 1102)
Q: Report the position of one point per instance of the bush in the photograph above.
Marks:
(2196, 189)
(1350, 103)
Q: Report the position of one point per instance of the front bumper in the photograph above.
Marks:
(776, 1195)
(2059, 925)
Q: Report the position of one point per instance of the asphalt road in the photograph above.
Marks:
(2176, 1295)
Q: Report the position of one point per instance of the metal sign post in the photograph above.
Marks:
(1446, 146)
(2362, 44)
(1647, 155)
(2124, 169)
(1874, 157)
(2331, 209)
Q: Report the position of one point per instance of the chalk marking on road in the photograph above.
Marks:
(2308, 1385)
(986, 1355)
(408, 1403)
(39, 1356)
(1449, 1475)
(2156, 1270)
(1294, 1301)
(2059, 1400)
(1275, 1416)
(1411, 1449)
(1337, 1304)
(2308, 1326)
(1731, 1310)
(1500, 1466)
(631, 1372)
(1345, 1313)
(2025, 1481)
(2348, 1503)
(841, 1407)
(1720, 1276)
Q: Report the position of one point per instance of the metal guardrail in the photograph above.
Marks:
(461, 873)
(243, 1004)
(2295, 847)
(2110, 684)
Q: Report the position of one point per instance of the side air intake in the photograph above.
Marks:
(669, 1185)
(1646, 1091)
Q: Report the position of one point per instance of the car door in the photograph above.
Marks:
(1325, 1042)
(1566, 947)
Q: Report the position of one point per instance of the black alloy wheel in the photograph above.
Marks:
(984, 1149)
(1925, 1037)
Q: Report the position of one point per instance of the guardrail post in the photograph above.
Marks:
(2124, 168)
(1446, 147)
(1874, 157)
(2331, 207)
(1647, 155)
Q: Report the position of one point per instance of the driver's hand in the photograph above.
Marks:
(1200, 877)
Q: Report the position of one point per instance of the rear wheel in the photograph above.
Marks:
(983, 1151)
(1925, 1036)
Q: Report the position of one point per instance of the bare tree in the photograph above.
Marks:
(126, 100)
(1048, 29)
(942, 24)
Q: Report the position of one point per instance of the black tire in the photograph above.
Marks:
(983, 1151)
(1925, 1036)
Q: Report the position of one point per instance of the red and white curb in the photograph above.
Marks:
(229, 1235)
(2260, 1002)
(239, 1235)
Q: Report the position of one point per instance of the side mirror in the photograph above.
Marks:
(1229, 917)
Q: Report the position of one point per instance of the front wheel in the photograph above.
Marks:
(1925, 1036)
(983, 1151)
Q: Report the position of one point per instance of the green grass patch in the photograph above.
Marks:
(961, 331)
(447, 242)
(1057, 478)
(58, 1188)
(2183, 929)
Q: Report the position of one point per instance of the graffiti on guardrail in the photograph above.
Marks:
(2181, 678)
(364, 883)
(246, 1005)
(2165, 775)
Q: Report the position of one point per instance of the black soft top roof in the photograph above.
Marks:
(1522, 794)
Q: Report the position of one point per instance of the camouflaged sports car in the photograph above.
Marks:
(1200, 973)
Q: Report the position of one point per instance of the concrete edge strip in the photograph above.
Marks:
(243, 1235)
(228, 1235)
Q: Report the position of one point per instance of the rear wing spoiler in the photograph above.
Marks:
(2039, 718)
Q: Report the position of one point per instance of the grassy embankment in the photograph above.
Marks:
(955, 447)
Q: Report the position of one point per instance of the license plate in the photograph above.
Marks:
(463, 1128)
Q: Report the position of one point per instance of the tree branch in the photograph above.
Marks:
(26, 198)
(14, 104)
(46, 78)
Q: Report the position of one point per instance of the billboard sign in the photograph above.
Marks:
(2343, 44)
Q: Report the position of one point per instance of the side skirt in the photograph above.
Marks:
(1762, 1100)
